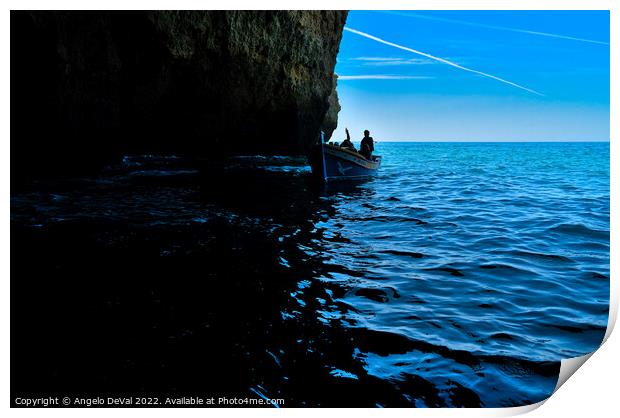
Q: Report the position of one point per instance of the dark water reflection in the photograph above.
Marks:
(245, 280)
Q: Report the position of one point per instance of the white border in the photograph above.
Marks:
(596, 382)
(315, 5)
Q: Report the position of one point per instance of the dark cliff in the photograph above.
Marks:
(87, 87)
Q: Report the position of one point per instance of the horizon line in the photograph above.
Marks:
(492, 141)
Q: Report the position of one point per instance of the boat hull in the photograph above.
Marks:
(330, 162)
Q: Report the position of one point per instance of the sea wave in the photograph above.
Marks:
(438, 283)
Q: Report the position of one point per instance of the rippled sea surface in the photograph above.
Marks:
(460, 276)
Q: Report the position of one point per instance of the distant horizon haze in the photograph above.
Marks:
(474, 141)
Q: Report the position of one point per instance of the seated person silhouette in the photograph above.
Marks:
(347, 142)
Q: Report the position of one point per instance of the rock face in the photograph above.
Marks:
(330, 122)
(89, 86)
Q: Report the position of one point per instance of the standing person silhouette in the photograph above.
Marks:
(367, 146)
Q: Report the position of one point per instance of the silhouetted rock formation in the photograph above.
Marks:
(331, 117)
(87, 87)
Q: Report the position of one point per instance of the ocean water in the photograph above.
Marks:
(460, 276)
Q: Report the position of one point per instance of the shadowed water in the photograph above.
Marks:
(460, 276)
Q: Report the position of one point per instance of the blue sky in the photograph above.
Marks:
(400, 95)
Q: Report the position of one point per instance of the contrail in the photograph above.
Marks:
(482, 25)
(444, 61)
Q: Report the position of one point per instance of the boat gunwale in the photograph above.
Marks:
(353, 157)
